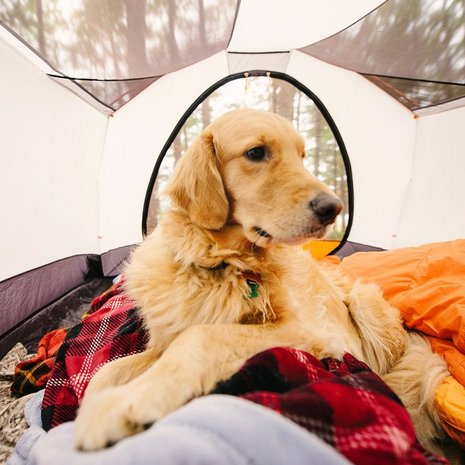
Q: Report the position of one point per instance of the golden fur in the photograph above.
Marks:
(231, 217)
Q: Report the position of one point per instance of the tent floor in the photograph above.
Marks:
(62, 313)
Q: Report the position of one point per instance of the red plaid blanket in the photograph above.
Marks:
(32, 375)
(110, 331)
(342, 402)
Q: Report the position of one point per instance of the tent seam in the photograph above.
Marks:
(409, 186)
(99, 173)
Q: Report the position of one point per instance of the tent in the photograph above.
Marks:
(93, 92)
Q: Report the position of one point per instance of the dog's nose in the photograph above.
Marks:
(326, 208)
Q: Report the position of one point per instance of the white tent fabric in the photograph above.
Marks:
(52, 144)
(132, 130)
(74, 177)
(264, 26)
(434, 206)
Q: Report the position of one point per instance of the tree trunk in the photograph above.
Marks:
(317, 152)
(136, 34)
(172, 44)
(40, 29)
(202, 34)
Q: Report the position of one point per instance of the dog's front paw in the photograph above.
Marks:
(103, 419)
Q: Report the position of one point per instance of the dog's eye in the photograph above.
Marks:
(256, 154)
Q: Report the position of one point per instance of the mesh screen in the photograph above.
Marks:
(418, 40)
(115, 93)
(120, 39)
(417, 95)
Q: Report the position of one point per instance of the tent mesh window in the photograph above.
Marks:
(414, 50)
(113, 49)
(323, 153)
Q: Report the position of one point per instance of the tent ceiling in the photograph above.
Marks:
(113, 49)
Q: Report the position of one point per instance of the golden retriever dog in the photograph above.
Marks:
(224, 277)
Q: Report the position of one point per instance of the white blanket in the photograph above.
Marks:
(211, 430)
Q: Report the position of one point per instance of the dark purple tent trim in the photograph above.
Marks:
(64, 312)
(23, 295)
(350, 248)
(113, 260)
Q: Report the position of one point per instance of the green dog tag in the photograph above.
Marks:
(253, 287)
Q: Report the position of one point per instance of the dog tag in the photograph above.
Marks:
(253, 288)
(253, 281)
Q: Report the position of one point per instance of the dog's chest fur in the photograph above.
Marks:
(183, 276)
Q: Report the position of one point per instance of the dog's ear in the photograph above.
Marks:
(197, 186)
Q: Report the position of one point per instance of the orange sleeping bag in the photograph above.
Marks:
(427, 284)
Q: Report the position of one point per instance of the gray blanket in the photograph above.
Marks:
(211, 430)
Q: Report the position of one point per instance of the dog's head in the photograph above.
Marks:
(247, 167)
